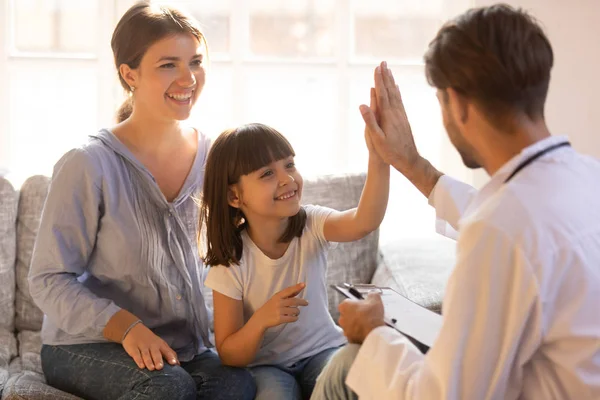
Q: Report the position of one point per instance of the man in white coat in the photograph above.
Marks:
(521, 312)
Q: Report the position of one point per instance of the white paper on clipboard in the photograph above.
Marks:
(405, 316)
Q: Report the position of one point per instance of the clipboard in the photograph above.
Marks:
(420, 325)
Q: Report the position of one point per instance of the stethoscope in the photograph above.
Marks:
(535, 157)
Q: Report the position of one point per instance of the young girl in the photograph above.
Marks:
(269, 259)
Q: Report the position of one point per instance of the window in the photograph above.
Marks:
(292, 29)
(214, 18)
(55, 26)
(302, 66)
(51, 67)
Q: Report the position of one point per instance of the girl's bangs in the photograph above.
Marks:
(257, 146)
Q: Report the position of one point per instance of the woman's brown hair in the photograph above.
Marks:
(139, 28)
(234, 153)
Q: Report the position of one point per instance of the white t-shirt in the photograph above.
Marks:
(259, 277)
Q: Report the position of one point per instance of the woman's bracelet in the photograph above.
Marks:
(139, 321)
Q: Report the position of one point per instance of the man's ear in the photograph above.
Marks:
(129, 75)
(458, 105)
(233, 196)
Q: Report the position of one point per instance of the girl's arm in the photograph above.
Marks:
(238, 343)
(357, 223)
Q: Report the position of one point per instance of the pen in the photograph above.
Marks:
(358, 295)
(355, 293)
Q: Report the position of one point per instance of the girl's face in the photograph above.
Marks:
(273, 191)
(169, 79)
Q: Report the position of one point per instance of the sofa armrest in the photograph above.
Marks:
(417, 268)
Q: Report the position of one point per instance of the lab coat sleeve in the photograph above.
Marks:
(450, 199)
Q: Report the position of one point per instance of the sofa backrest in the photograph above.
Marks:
(8, 250)
(353, 262)
(348, 262)
(31, 201)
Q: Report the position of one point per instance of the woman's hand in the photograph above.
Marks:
(282, 308)
(147, 349)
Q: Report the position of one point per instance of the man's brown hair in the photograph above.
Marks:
(497, 56)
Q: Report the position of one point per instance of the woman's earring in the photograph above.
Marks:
(132, 89)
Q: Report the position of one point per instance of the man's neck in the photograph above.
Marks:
(501, 147)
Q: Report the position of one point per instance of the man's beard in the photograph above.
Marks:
(469, 161)
(467, 153)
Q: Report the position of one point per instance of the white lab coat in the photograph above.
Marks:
(521, 313)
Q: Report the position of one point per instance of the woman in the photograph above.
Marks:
(116, 268)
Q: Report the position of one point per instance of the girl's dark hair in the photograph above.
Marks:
(238, 152)
(498, 56)
(139, 28)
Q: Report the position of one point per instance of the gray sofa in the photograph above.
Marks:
(416, 268)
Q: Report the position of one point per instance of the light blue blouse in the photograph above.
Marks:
(108, 239)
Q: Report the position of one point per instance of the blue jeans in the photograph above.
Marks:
(294, 382)
(106, 371)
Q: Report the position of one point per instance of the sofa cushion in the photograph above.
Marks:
(30, 346)
(8, 350)
(28, 385)
(26, 376)
(8, 249)
(15, 366)
(31, 201)
(353, 262)
(422, 267)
